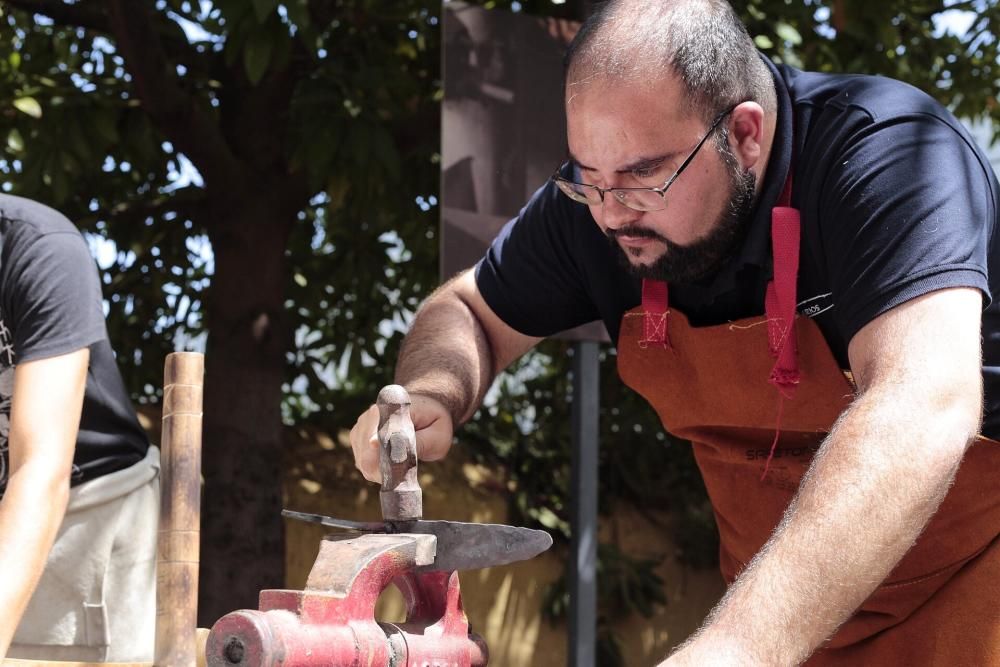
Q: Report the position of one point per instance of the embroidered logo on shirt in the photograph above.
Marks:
(816, 305)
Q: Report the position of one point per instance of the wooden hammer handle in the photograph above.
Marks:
(180, 511)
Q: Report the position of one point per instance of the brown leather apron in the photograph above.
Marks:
(730, 388)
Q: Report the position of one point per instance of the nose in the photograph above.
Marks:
(612, 214)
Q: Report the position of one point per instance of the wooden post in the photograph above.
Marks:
(180, 511)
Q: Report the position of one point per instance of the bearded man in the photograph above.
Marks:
(796, 269)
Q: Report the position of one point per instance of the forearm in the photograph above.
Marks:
(447, 355)
(876, 481)
(44, 420)
(31, 512)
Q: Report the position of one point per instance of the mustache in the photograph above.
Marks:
(635, 232)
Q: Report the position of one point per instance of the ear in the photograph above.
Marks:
(746, 133)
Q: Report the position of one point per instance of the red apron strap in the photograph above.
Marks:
(780, 300)
(779, 304)
(655, 306)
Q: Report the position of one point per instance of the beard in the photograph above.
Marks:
(690, 263)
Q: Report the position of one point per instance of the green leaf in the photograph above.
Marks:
(281, 46)
(763, 42)
(15, 142)
(788, 33)
(257, 56)
(14, 59)
(298, 13)
(337, 189)
(104, 124)
(29, 105)
(60, 185)
(263, 9)
(78, 144)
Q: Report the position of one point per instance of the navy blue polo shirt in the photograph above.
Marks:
(896, 201)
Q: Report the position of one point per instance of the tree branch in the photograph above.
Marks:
(178, 115)
(92, 16)
(187, 201)
(77, 15)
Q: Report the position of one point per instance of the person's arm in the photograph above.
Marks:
(454, 350)
(44, 420)
(875, 482)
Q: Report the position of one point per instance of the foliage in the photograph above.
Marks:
(362, 107)
(902, 39)
(262, 165)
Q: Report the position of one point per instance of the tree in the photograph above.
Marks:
(298, 120)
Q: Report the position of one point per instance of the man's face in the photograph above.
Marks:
(637, 136)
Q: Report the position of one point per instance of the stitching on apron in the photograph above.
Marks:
(656, 333)
(743, 327)
(957, 565)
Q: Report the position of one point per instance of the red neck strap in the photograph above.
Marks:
(779, 303)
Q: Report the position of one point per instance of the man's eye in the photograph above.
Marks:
(646, 172)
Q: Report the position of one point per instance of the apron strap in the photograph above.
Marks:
(655, 306)
(779, 303)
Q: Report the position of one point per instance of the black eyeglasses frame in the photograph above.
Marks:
(622, 194)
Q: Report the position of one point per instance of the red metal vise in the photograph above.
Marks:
(332, 622)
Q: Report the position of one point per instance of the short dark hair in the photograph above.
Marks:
(702, 42)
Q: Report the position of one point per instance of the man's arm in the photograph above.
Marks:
(44, 420)
(454, 350)
(875, 482)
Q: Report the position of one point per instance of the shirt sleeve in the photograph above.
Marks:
(534, 274)
(908, 207)
(54, 296)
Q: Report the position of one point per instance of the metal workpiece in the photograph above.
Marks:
(460, 546)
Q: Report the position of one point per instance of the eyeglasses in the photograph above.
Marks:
(637, 199)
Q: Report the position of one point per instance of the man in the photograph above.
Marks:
(740, 198)
(78, 477)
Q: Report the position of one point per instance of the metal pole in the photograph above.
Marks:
(583, 512)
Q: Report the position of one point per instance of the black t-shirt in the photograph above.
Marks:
(896, 200)
(50, 304)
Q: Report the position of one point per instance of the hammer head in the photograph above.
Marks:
(401, 496)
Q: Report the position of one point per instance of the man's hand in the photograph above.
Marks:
(431, 421)
(455, 348)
